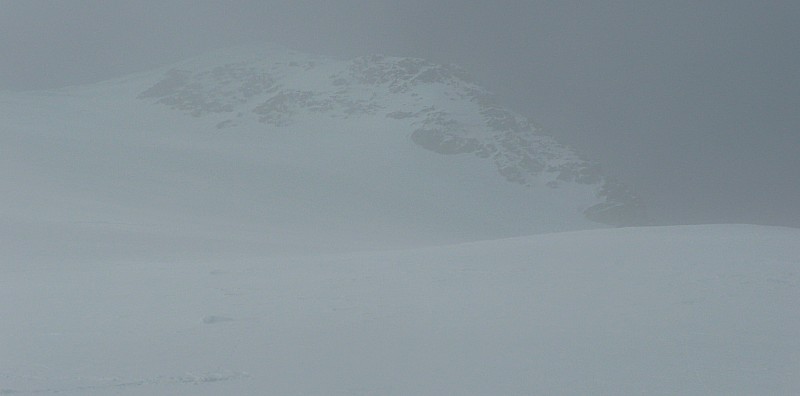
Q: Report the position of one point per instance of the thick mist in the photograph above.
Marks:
(692, 104)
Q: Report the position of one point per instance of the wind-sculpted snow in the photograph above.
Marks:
(702, 310)
(438, 107)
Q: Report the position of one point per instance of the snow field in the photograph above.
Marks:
(658, 311)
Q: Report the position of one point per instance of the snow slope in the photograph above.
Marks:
(259, 221)
(295, 151)
(702, 310)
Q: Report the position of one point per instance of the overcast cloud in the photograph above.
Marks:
(693, 103)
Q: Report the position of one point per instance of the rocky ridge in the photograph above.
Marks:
(445, 110)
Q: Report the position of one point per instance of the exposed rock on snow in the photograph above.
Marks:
(440, 109)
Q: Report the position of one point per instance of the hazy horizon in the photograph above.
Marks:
(691, 104)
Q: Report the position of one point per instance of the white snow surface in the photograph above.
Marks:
(700, 310)
(259, 223)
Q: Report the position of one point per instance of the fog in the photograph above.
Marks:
(191, 207)
(693, 104)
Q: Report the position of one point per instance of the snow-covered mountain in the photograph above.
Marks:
(259, 221)
(438, 107)
(276, 142)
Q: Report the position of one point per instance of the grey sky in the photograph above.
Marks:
(693, 103)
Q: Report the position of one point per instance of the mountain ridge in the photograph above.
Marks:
(377, 152)
(519, 150)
